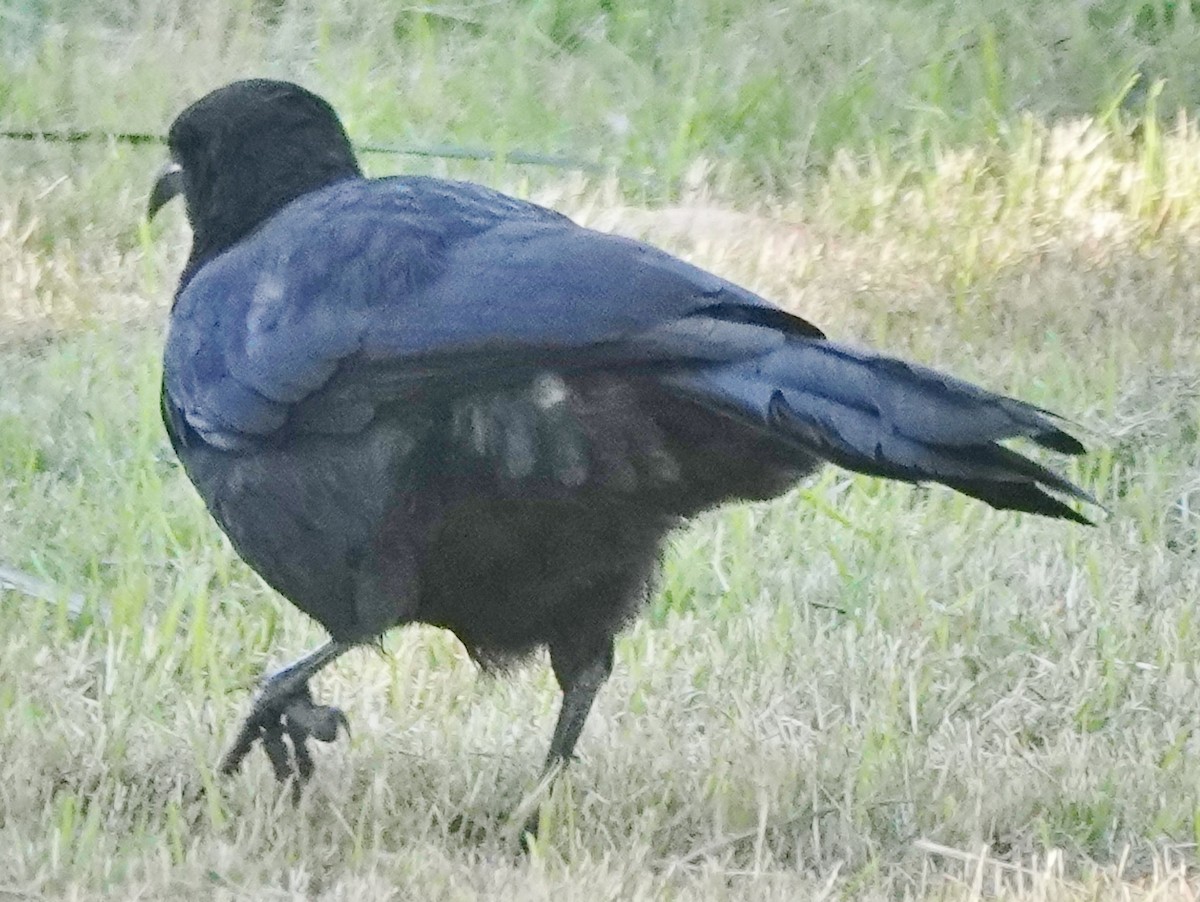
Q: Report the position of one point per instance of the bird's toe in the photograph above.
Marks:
(320, 722)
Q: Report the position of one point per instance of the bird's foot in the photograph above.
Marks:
(284, 707)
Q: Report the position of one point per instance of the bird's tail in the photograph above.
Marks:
(884, 417)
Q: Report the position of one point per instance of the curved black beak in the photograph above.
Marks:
(167, 185)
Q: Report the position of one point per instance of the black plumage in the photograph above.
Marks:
(416, 400)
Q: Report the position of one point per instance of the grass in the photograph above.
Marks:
(859, 690)
(771, 89)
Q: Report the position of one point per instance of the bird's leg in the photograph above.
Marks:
(581, 669)
(284, 705)
(580, 679)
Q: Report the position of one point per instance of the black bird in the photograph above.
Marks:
(417, 400)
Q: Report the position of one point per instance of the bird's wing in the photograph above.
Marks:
(372, 294)
(371, 291)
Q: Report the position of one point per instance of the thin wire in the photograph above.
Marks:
(442, 151)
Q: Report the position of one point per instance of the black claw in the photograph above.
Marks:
(249, 732)
(277, 752)
(301, 719)
(304, 762)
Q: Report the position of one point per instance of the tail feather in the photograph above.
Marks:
(885, 417)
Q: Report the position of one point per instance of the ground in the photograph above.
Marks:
(862, 689)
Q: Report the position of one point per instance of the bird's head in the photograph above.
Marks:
(244, 151)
